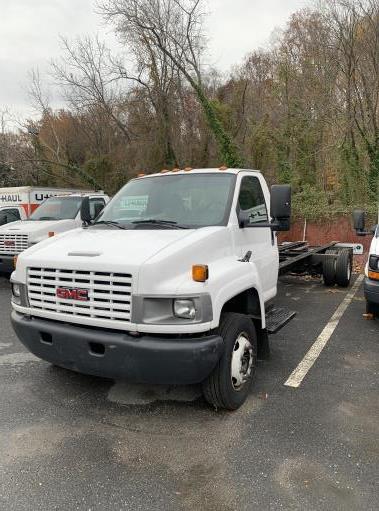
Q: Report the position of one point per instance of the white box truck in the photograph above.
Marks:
(58, 213)
(172, 284)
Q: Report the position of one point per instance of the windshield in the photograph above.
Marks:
(196, 200)
(58, 208)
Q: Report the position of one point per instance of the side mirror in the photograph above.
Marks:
(373, 229)
(359, 219)
(98, 209)
(281, 207)
(243, 218)
(85, 213)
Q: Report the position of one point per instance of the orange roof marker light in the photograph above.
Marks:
(200, 272)
(175, 170)
(15, 258)
(188, 169)
(51, 234)
(164, 171)
(141, 174)
(223, 167)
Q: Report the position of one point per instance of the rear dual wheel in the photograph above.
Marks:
(230, 382)
(338, 270)
(329, 267)
(344, 268)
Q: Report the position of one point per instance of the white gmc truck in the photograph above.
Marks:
(171, 284)
(58, 213)
(19, 202)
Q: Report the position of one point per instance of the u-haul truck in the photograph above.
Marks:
(18, 203)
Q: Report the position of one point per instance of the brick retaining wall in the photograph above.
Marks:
(339, 229)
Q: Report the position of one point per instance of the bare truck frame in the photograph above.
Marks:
(334, 261)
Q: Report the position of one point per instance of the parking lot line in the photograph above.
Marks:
(298, 375)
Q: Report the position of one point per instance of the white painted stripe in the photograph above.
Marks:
(310, 358)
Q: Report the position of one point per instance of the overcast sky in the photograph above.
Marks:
(29, 31)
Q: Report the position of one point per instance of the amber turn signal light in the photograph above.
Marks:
(51, 234)
(373, 275)
(200, 272)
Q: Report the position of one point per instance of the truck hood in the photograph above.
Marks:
(96, 249)
(36, 227)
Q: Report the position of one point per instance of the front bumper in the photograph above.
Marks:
(371, 289)
(117, 355)
(6, 263)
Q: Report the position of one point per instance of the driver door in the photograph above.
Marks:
(260, 241)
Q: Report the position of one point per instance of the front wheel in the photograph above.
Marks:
(372, 308)
(229, 384)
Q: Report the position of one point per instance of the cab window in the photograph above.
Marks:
(252, 201)
(9, 215)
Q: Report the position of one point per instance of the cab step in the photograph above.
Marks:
(277, 318)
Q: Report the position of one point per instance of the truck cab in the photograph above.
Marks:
(56, 214)
(11, 214)
(371, 283)
(169, 285)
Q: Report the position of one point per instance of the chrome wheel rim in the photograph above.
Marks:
(242, 361)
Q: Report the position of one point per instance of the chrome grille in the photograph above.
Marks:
(13, 243)
(109, 294)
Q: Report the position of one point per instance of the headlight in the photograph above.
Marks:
(16, 290)
(374, 263)
(16, 293)
(184, 309)
(172, 310)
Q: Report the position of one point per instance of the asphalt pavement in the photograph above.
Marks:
(74, 442)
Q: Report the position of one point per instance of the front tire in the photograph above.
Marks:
(230, 382)
(372, 308)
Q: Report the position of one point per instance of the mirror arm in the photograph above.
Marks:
(274, 225)
(362, 232)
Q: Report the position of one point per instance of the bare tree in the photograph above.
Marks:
(41, 103)
(355, 28)
(174, 28)
(89, 79)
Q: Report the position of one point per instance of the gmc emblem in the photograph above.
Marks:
(81, 295)
(9, 243)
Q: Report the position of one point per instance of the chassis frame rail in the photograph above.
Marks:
(298, 256)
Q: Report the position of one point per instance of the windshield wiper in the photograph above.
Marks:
(154, 221)
(113, 223)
